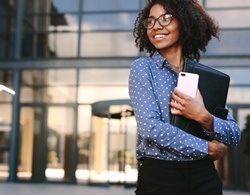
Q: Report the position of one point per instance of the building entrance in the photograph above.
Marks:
(46, 151)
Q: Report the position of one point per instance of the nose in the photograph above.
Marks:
(157, 25)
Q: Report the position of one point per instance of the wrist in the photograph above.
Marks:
(212, 147)
(207, 121)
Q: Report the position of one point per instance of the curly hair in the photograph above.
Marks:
(196, 26)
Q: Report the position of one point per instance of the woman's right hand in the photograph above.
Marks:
(216, 150)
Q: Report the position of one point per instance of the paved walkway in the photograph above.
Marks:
(72, 189)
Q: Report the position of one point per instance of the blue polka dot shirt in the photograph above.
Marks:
(151, 83)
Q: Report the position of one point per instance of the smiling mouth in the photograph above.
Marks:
(159, 36)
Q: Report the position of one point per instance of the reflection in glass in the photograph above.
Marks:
(7, 45)
(110, 83)
(60, 143)
(66, 5)
(244, 148)
(232, 42)
(6, 79)
(107, 21)
(40, 43)
(65, 22)
(110, 5)
(227, 3)
(238, 75)
(31, 152)
(104, 77)
(90, 94)
(83, 142)
(108, 44)
(52, 85)
(235, 18)
(5, 130)
(63, 44)
(239, 95)
(113, 142)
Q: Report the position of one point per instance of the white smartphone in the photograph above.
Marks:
(188, 83)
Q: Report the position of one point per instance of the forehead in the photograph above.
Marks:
(157, 10)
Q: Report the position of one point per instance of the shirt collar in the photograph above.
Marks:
(160, 60)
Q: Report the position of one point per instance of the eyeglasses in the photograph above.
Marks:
(163, 20)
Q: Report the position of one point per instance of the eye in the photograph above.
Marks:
(149, 22)
(165, 19)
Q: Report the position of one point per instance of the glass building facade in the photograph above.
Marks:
(71, 119)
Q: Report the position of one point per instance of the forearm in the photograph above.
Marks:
(206, 120)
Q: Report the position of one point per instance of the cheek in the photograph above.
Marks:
(148, 34)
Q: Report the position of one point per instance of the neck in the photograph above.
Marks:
(175, 58)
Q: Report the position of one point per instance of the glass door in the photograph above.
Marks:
(32, 150)
(113, 141)
(61, 142)
(47, 144)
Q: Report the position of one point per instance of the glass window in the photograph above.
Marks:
(49, 86)
(238, 75)
(64, 22)
(60, 145)
(52, 44)
(244, 147)
(7, 23)
(111, 83)
(65, 5)
(34, 6)
(53, 22)
(6, 45)
(232, 42)
(104, 77)
(63, 44)
(114, 132)
(237, 18)
(83, 143)
(113, 21)
(108, 5)
(227, 3)
(240, 95)
(90, 94)
(6, 79)
(36, 45)
(32, 135)
(5, 131)
(108, 44)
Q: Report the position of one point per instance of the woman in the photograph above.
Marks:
(171, 160)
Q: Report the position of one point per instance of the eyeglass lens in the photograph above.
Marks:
(163, 20)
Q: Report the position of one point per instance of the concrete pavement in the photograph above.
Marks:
(73, 189)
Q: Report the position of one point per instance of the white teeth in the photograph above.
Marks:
(159, 36)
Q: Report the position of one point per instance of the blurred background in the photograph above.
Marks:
(71, 120)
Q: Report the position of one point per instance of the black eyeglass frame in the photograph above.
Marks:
(170, 16)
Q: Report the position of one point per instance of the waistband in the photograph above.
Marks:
(176, 164)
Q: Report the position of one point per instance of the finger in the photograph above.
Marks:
(176, 105)
(178, 99)
(175, 111)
